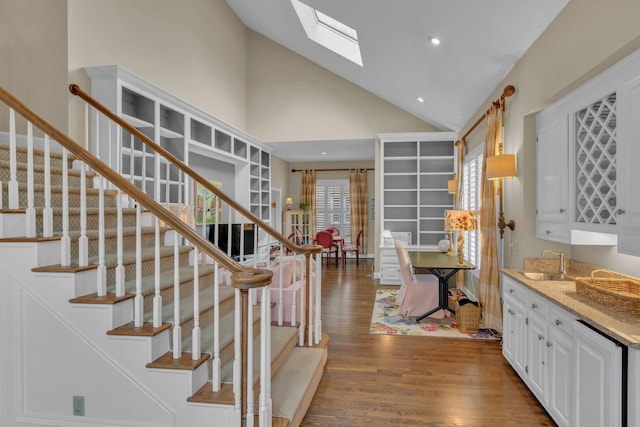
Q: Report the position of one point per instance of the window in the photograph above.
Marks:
(333, 208)
(472, 179)
(329, 32)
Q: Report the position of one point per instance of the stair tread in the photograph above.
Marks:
(290, 384)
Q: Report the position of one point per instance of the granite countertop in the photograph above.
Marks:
(563, 293)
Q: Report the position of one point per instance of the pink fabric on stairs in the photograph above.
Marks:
(418, 294)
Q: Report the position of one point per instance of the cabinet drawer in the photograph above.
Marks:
(514, 289)
(560, 319)
(537, 304)
(553, 231)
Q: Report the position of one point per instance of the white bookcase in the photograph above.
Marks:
(185, 131)
(415, 170)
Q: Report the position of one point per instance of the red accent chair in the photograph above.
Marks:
(325, 239)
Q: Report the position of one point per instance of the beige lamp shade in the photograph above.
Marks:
(459, 220)
(452, 186)
(501, 166)
(288, 202)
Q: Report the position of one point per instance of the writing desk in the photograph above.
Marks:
(443, 267)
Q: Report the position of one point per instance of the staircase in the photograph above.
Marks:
(116, 312)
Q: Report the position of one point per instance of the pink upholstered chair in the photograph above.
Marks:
(418, 294)
(355, 248)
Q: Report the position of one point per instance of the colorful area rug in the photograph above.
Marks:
(385, 320)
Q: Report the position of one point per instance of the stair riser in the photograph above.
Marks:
(56, 197)
(38, 156)
(111, 242)
(148, 268)
(110, 219)
(38, 175)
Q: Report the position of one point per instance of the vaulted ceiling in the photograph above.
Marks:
(481, 41)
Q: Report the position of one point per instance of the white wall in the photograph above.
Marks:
(587, 37)
(33, 49)
(293, 99)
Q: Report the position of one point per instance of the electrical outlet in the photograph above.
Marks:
(78, 405)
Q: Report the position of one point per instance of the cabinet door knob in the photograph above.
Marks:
(548, 232)
(510, 312)
(562, 210)
(620, 212)
(534, 305)
(549, 344)
(540, 337)
(558, 322)
(511, 291)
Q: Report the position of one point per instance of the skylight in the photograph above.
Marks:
(329, 32)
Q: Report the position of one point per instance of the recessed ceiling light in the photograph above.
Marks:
(434, 41)
(324, 153)
(420, 99)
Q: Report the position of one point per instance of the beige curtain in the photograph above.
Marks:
(359, 205)
(308, 196)
(489, 287)
(457, 202)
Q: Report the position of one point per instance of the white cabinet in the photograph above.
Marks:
(211, 147)
(628, 213)
(514, 327)
(537, 343)
(415, 172)
(389, 266)
(588, 144)
(560, 366)
(552, 193)
(598, 374)
(299, 220)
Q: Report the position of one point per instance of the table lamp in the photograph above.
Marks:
(288, 202)
(460, 220)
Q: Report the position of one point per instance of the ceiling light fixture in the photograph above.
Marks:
(434, 41)
(324, 153)
(420, 99)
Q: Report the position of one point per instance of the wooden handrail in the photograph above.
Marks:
(75, 90)
(147, 202)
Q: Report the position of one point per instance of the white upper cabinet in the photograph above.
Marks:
(628, 206)
(587, 143)
(552, 194)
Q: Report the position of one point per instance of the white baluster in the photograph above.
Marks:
(120, 270)
(237, 360)
(31, 210)
(138, 301)
(280, 288)
(157, 298)
(265, 360)
(249, 337)
(47, 212)
(318, 289)
(216, 328)
(13, 187)
(102, 268)
(65, 241)
(196, 306)
(177, 329)
(83, 241)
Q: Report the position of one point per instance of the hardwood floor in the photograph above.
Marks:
(381, 380)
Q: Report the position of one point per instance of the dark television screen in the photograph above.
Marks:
(222, 240)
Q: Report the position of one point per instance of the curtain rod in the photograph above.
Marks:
(331, 170)
(507, 92)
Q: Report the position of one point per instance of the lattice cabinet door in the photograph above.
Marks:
(595, 140)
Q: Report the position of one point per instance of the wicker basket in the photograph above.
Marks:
(620, 294)
(468, 318)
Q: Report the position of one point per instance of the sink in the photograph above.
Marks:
(533, 275)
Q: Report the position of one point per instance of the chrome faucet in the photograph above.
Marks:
(558, 254)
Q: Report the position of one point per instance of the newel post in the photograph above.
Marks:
(244, 281)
